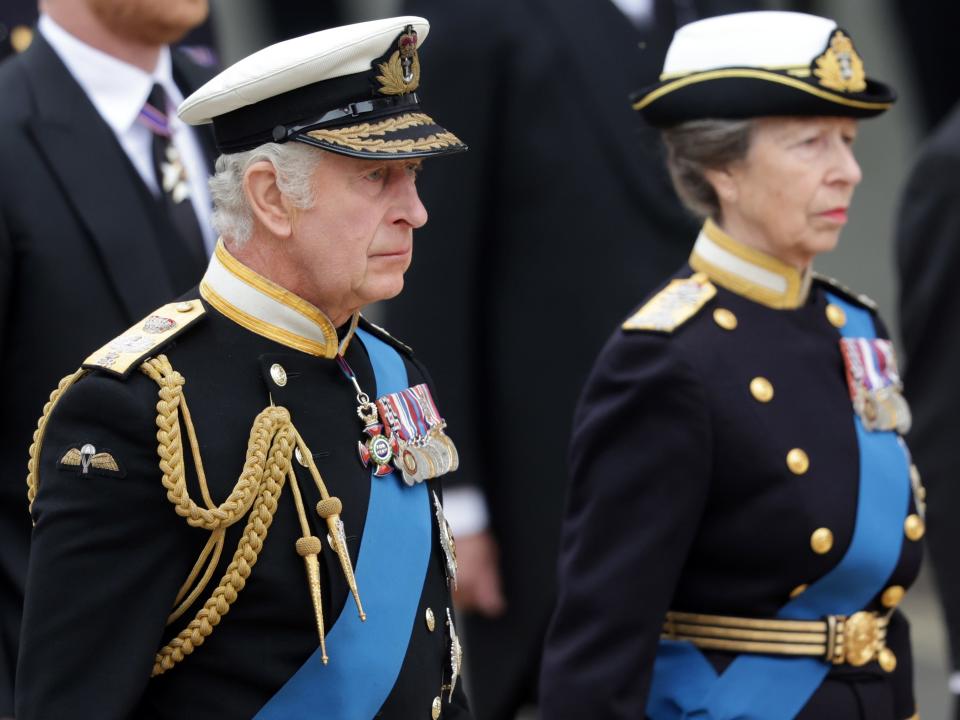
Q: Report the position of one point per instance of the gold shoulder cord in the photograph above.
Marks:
(270, 448)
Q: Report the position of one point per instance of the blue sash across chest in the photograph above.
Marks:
(366, 657)
(758, 687)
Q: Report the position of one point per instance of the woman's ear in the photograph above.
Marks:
(270, 208)
(724, 184)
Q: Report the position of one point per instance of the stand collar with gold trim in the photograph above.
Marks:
(263, 307)
(749, 272)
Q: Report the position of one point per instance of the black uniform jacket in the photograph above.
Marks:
(83, 254)
(109, 553)
(683, 498)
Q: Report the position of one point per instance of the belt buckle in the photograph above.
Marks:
(855, 640)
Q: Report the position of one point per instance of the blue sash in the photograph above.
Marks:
(755, 687)
(365, 657)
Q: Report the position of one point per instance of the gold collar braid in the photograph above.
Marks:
(268, 466)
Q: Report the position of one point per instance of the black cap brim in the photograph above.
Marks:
(740, 93)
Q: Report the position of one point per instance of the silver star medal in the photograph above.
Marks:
(446, 542)
(175, 176)
(456, 655)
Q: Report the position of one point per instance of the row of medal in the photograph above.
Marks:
(413, 440)
(875, 385)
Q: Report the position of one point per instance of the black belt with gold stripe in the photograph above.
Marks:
(839, 639)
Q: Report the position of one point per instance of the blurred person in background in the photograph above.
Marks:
(929, 30)
(539, 240)
(928, 260)
(104, 213)
(744, 520)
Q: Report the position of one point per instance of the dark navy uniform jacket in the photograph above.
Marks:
(109, 553)
(686, 497)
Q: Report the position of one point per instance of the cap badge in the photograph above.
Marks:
(401, 73)
(840, 67)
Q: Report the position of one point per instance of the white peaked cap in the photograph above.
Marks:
(350, 90)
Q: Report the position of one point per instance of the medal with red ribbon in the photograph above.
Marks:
(379, 447)
(424, 449)
(875, 385)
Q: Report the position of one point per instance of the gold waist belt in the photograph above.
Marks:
(840, 639)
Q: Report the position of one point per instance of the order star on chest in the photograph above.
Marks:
(379, 448)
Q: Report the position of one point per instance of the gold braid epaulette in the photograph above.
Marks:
(270, 448)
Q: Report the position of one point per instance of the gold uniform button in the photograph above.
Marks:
(913, 527)
(887, 660)
(797, 461)
(821, 541)
(892, 596)
(798, 590)
(761, 389)
(436, 708)
(20, 38)
(836, 315)
(431, 620)
(725, 319)
(278, 374)
(184, 307)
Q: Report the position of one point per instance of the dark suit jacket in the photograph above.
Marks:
(928, 257)
(84, 252)
(539, 239)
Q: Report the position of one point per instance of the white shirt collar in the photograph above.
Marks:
(117, 89)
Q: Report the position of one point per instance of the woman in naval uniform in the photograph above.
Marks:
(744, 518)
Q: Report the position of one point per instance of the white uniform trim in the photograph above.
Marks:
(713, 253)
(296, 316)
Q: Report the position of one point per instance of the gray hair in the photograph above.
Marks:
(295, 164)
(696, 146)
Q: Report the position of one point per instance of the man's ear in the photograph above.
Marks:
(270, 207)
(724, 184)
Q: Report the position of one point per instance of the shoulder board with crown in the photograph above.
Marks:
(847, 293)
(670, 308)
(375, 329)
(127, 351)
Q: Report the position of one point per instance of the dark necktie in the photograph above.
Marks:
(171, 173)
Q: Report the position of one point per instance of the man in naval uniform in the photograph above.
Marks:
(236, 502)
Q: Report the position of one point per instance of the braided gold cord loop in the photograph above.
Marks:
(267, 467)
(268, 462)
(33, 480)
(170, 450)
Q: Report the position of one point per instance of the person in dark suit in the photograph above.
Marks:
(928, 252)
(279, 550)
(560, 163)
(743, 520)
(85, 239)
